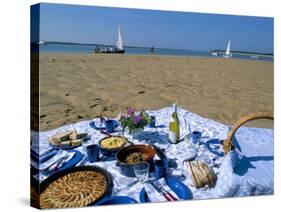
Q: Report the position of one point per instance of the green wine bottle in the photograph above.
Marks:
(174, 126)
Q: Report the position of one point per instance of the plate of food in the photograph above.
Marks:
(67, 140)
(112, 144)
(76, 187)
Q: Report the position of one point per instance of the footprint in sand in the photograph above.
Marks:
(104, 108)
(67, 110)
(94, 105)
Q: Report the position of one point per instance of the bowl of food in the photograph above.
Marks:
(112, 144)
(128, 156)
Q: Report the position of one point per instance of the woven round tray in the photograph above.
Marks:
(75, 187)
(227, 143)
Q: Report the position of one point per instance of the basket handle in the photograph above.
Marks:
(227, 143)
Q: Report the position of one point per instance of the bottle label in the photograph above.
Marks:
(172, 137)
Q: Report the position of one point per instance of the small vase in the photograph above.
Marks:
(136, 132)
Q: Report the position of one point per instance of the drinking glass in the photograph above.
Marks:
(194, 140)
(84, 145)
(141, 171)
(196, 137)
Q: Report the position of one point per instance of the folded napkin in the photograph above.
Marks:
(42, 157)
(60, 154)
(154, 195)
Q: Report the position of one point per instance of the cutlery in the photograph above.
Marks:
(160, 191)
(56, 164)
(164, 190)
(65, 160)
(105, 133)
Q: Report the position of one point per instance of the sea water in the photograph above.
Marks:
(88, 49)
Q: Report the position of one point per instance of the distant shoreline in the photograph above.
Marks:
(159, 48)
(151, 55)
(73, 48)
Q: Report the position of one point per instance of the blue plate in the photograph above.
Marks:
(181, 190)
(93, 125)
(116, 200)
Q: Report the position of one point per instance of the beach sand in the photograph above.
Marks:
(76, 87)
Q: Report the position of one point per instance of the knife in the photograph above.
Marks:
(56, 164)
(105, 133)
(66, 160)
(159, 190)
(165, 191)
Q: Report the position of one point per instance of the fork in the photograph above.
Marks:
(165, 191)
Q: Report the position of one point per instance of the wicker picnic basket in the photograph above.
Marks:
(227, 143)
(201, 173)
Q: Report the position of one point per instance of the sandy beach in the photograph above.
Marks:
(76, 87)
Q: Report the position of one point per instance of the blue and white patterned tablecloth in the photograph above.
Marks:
(247, 171)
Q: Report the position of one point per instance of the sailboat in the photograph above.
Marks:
(227, 53)
(110, 50)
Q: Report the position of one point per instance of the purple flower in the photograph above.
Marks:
(137, 120)
(130, 111)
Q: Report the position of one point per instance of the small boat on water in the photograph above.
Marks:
(118, 49)
(256, 57)
(215, 53)
(227, 53)
(41, 42)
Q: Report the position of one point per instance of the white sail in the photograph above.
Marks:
(119, 43)
(227, 52)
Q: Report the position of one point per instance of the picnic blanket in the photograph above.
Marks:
(246, 171)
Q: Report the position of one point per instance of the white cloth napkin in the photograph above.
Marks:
(51, 161)
(154, 195)
(226, 183)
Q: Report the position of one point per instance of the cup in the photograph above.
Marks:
(160, 168)
(93, 152)
(110, 125)
(152, 121)
(141, 171)
(196, 136)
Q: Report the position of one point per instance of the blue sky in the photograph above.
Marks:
(162, 29)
